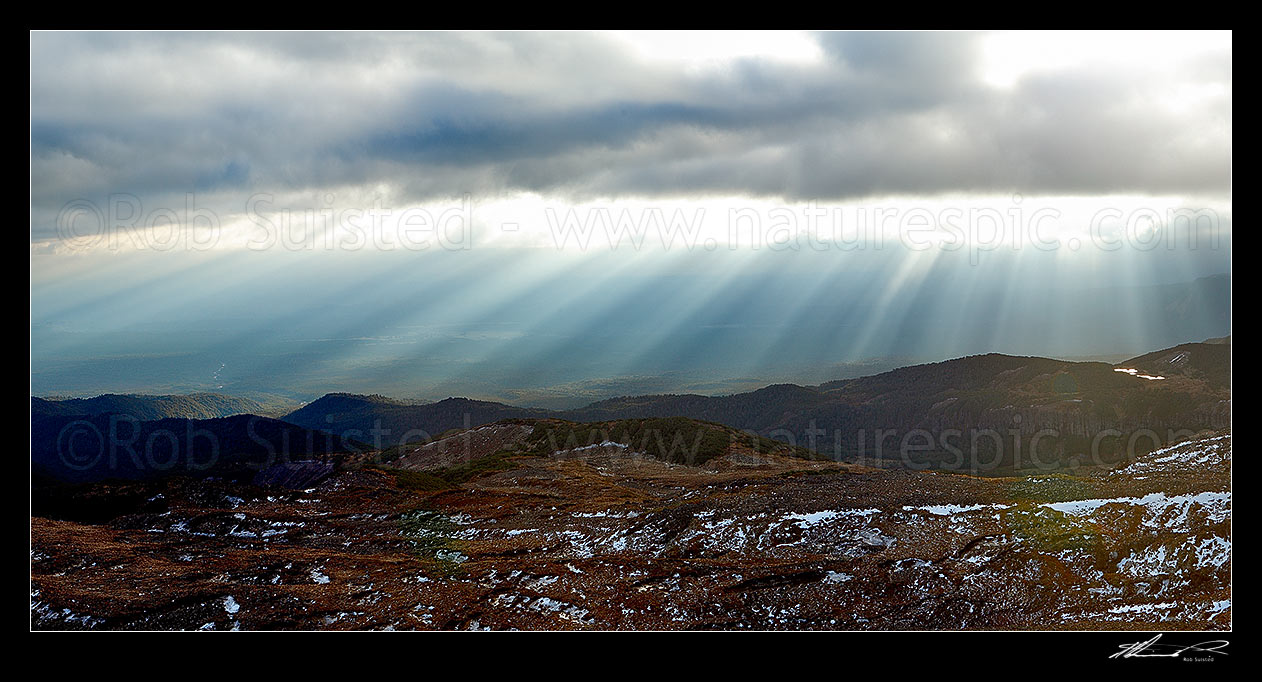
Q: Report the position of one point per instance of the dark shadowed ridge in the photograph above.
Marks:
(358, 417)
(991, 391)
(149, 407)
(1209, 361)
(112, 446)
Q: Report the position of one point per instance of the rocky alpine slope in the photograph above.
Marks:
(515, 525)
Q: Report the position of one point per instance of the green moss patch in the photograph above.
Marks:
(1050, 488)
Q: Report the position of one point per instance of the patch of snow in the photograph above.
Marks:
(1142, 608)
(1217, 504)
(949, 509)
(1218, 607)
(1135, 373)
(602, 444)
(815, 518)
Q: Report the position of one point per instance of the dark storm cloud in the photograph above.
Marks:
(581, 116)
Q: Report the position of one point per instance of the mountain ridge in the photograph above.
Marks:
(1160, 395)
(994, 391)
(150, 406)
(74, 448)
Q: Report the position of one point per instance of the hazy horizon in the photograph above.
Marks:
(108, 374)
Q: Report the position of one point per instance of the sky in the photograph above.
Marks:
(543, 217)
